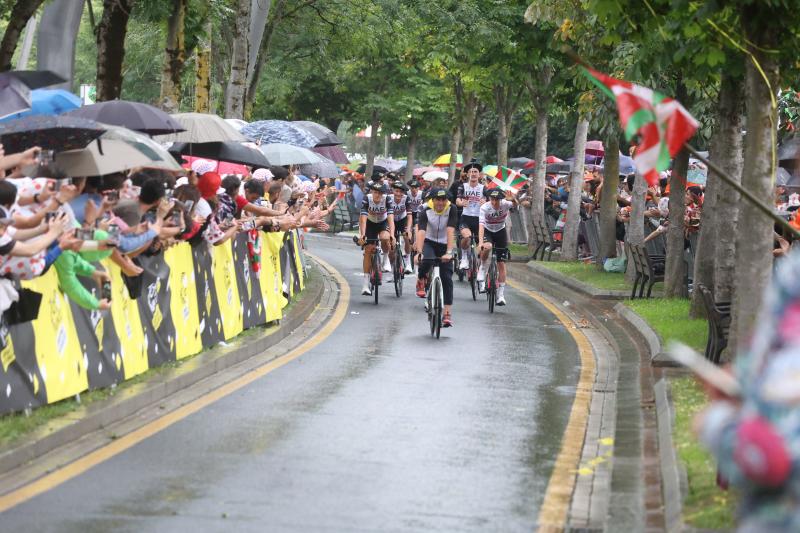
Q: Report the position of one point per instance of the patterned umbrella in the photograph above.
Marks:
(324, 169)
(280, 132)
(325, 137)
(202, 128)
(132, 115)
(57, 133)
(334, 153)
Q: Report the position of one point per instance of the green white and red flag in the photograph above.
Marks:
(507, 179)
(662, 124)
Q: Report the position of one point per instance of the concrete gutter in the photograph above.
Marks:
(165, 383)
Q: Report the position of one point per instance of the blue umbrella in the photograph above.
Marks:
(49, 102)
(279, 132)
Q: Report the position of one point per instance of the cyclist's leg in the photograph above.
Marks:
(446, 273)
(501, 242)
(424, 266)
(386, 247)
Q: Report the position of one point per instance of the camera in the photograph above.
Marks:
(177, 217)
(113, 235)
(249, 225)
(84, 234)
(112, 195)
(50, 216)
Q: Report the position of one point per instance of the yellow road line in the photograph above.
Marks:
(553, 513)
(67, 472)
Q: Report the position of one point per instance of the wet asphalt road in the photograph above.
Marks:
(378, 428)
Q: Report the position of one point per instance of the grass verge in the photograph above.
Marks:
(13, 426)
(589, 274)
(706, 505)
(669, 317)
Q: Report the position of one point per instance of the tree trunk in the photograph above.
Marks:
(505, 105)
(411, 156)
(174, 58)
(675, 266)
(754, 240)
(569, 246)
(608, 198)
(372, 146)
(729, 156)
(22, 11)
(202, 87)
(455, 141)
(471, 118)
(539, 91)
(276, 15)
(111, 48)
(634, 234)
(237, 83)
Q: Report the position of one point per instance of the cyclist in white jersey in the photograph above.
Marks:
(414, 199)
(401, 205)
(376, 222)
(492, 233)
(470, 197)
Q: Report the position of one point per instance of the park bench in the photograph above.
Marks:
(341, 218)
(543, 237)
(718, 315)
(649, 269)
(591, 227)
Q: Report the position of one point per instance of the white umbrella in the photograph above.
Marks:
(202, 128)
(117, 150)
(435, 175)
(287, 154)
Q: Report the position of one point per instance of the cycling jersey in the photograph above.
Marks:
(435, 224)
(473, 195)
(376, 211)
(414, 201)
(401, 208)
(495, 219)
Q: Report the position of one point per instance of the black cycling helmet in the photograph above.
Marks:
(375, 186)
(377, 175)
(496, 193)
(438, 193)
(399, 185)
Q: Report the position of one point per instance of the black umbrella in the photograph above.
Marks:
(35, 79)
(564, 167)
(132, 115)
(57, 133)
(519, 162)
(230, 151)
(325, 137)
(362, 168)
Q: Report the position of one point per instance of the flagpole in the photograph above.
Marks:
(766, 209)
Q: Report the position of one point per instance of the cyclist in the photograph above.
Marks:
(470, 197)
(376, 222)
(415, 199)
(436, 238)
(492, 233)
(401, 205)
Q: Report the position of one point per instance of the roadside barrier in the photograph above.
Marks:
(190, 297)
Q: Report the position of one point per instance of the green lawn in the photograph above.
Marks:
(706, 506)
(670, 319)
(589, 274)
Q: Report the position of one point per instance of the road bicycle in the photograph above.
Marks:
(375, 273)
(491, 280)
(398, 265)
(434, 299)
(472, 270)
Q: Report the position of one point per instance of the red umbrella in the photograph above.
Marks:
(223, 167)
(550, 159)
(595, 148)
(334, 153)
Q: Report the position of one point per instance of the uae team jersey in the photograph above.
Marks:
(473, 195)
(495, 219)
(414, 201)
(402, 208)
(378, 211)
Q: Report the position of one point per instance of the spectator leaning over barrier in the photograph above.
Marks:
(70, 265)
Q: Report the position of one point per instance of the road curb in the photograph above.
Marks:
(576, 285)
(131, 399)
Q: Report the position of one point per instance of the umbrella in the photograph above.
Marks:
(325, 137)
(697, 174)
(324, 169)
(222, 167)
(375, 168)
(422, 170)
(435, 175)
(287, 154)
(626, 165)
(14, 96)
(564, 167)
(334, 153)
(58, 133)
(490, 170)
(49, 102)
(237, 123)
(444, 161)
(232, 152)
(132, 115)
(117, 150)
(521, 162)
(34, 79)
(789, 149)
(202, 128)
(279, 132)
(393, 165)
(595, 148)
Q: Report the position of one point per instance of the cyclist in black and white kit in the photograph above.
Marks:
(436, 238)
(376, 222)
(470, 197)
(492, 232)
(414, 199)
(401, 206)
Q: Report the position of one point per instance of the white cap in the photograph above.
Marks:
(201, 166)
(183, 180)
(263, 174)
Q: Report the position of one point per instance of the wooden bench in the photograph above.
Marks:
(649, 269)
(543, 237)
(718, 315)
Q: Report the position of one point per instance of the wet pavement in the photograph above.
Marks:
(379, 427)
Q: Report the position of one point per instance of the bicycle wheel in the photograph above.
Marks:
(437, 306)
(491, 284)
(397, 273)
(375, 275)
(473, 275)
(431, 314)
(459, 271)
